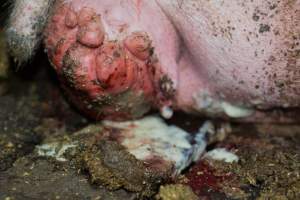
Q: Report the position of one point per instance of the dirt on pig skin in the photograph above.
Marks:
(200, 57)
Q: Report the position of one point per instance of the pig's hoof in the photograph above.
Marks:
(104, 78)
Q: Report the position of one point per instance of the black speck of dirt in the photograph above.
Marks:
(264, 28)
(255, 17)
(272, 7)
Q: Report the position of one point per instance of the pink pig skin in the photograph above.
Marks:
(116, 59)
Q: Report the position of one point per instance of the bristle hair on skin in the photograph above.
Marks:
(25, 26)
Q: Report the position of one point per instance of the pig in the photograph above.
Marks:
(118, 59)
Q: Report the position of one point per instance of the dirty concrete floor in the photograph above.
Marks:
(268, 166)
(33, 109)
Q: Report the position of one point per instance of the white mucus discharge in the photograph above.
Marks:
(222, 154)
(213, 107)
(152, 137)
(166, 112)
(236, 111)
